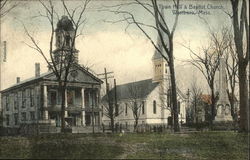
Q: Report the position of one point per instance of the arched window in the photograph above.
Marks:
(126, 109)
(154, 107)
(178, 106)
(143, 107)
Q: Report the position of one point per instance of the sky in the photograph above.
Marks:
(109, 45)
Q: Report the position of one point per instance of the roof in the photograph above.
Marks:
(48, 76)
(142, 89)
(65, 24)
(158, 55)
(206, 98)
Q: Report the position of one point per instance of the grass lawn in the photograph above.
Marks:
(196, 145)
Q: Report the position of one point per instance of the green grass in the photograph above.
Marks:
(196, 145)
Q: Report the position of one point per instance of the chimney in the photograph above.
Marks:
(17, 79)
(37, 69)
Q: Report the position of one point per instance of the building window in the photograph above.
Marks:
(116, 109)
(53, 97)
(67, 39)
(23, 99)
(143, 107)
(7, 119)
(70, 97)
(154, 107)
(178, 106)
(32, 116)
(16, 118)
(15, 101)
(126, 109)
(7, 103)
(166, 68)
(102, 110)
(23, 116)
(32, 98)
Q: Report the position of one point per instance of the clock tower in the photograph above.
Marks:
(65, 42)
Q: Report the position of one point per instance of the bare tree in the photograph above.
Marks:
(6, 6)
(231, 62)
(196, 92)
(111, 107)
(207, 62)
(164, 45)
(136, 102)
(61, 65)
(241, 35)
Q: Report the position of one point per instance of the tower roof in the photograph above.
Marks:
(158, 55)
(65, 24)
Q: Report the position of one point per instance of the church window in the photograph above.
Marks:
(154, 107)
(178, 107)
(126, 109)
(143, 108)
(116, 110)
(166, 68)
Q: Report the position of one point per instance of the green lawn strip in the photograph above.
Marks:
(58, 146)
(197, 145)
(201, 145)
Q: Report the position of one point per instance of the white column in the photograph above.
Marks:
(83, 107)
(66, 103)
(45, 102)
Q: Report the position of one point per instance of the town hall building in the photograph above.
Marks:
(34, 105)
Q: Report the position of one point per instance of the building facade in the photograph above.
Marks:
(151, 96)
(37, 101)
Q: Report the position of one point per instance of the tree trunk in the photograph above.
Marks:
(174, 95)
(136, 124)
(62, 90)
(213, 103)
(112, 124)
(244, 108)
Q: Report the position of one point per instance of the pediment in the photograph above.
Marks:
(78, 74)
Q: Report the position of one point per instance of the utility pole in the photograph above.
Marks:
(93, 115)
(2, 59)
(116, 105)
(110, 109)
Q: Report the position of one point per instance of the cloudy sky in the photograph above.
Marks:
(127, 53)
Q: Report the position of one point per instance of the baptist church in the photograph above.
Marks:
(152, 95)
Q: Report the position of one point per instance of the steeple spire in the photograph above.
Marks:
(158, 55)
(160, 66)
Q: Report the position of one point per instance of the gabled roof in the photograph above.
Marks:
(84, 76)
(143, 89)
(206, 98)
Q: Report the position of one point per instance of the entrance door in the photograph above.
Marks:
(87, 119)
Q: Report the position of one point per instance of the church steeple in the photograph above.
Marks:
(64, 35)
(160, 66)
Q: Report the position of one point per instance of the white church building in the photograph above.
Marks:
(152, 95)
